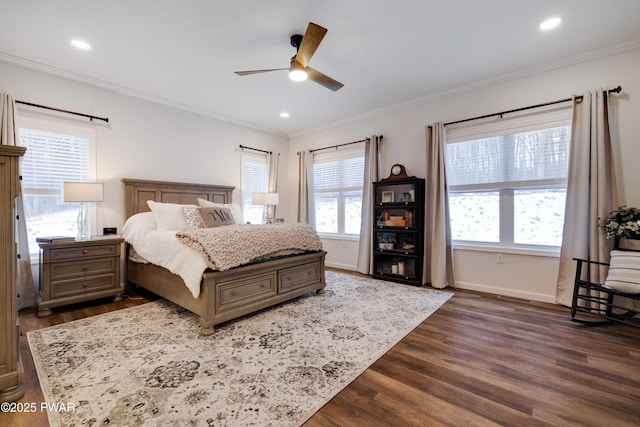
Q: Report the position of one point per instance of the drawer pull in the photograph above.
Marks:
(85, 268)
(84, 251)
(234, 293)
(84, 285)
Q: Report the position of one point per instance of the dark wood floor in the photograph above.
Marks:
(480, 360)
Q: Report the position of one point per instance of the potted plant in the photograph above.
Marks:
(622, 223)
(386, 241)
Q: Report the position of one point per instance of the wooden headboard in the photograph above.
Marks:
(138, 191)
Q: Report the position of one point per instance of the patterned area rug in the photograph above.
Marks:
(149, 365)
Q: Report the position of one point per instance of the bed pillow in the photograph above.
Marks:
(215, 217)
(624, 272)
(138, 225)
(169, 215)
(235, 209)
(191, 216)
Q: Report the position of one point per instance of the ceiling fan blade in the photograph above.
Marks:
(247, 73)
(323, 79)
(310, 42)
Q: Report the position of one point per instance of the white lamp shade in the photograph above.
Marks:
(265, 198)
(83, 191)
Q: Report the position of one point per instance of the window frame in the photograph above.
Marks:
(531, 121)
(255, 158)
(355, 151)
(27, 119)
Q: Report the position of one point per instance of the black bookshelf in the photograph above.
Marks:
(398, 230)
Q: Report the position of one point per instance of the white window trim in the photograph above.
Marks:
(341, 153)
(259, 157)
(29, 119)
(548, 117)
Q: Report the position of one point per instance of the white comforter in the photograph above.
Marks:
(163, 248)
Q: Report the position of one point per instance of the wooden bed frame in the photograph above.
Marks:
(224, 295)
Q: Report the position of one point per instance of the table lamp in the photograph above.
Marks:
(268, 200)
(83, 192)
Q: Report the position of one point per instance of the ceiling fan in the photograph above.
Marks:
(305, 48)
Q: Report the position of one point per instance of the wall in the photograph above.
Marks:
(522, 274)
(152, 141)
(144, 139)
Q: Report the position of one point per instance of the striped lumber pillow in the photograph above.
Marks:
(624, 272)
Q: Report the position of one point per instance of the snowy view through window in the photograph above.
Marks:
(538, 217)
(338, 181)
(515, 181)
(327, 214)
(51, 158)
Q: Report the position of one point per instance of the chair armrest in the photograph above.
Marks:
(580, 260)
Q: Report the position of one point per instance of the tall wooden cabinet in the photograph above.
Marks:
(398, 230)
(11, 372)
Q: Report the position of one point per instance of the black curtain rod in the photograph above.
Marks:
(89, 116)
(560, 101)
(338, 145)
(244, 147)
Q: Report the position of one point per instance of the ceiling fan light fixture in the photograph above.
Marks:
(298, 74)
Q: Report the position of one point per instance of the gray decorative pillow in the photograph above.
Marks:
(191, 216)
(215, 217)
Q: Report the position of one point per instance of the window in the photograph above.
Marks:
(338, 180)
(56, 152)
(508, 180)
(255, 172)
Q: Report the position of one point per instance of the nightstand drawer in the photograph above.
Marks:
(74, 253)
(70, 287)
(89, 267)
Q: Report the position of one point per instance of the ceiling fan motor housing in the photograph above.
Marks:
(296, 40)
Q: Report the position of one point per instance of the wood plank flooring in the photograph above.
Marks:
(480, 360)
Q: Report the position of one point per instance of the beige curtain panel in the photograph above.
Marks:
(591, 192)
(8, 136)
(371, 174)
(438, 252)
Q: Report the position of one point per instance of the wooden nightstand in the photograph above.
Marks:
(77, 271)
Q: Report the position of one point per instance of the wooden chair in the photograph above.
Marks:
(615, 299)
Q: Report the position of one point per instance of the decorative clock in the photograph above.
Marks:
(398, 171)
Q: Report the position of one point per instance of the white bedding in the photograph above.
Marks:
(188, 253)
(161, 247)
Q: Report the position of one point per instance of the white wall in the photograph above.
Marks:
(520, 275)
(152, 141)
(144, 139)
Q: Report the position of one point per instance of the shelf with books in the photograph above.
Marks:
(398, 230)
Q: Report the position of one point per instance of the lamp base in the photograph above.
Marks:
(83, 226)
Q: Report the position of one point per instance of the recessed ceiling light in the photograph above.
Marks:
(80, 44)
(550, 23)
(284, 115)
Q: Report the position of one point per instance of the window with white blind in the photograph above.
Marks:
(255, 175)
(57, 151)
(338, 180)
(508, 180)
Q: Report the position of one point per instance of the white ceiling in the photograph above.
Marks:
(388, 54)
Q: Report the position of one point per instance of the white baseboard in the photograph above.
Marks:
(532, 296)
(341, 266)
